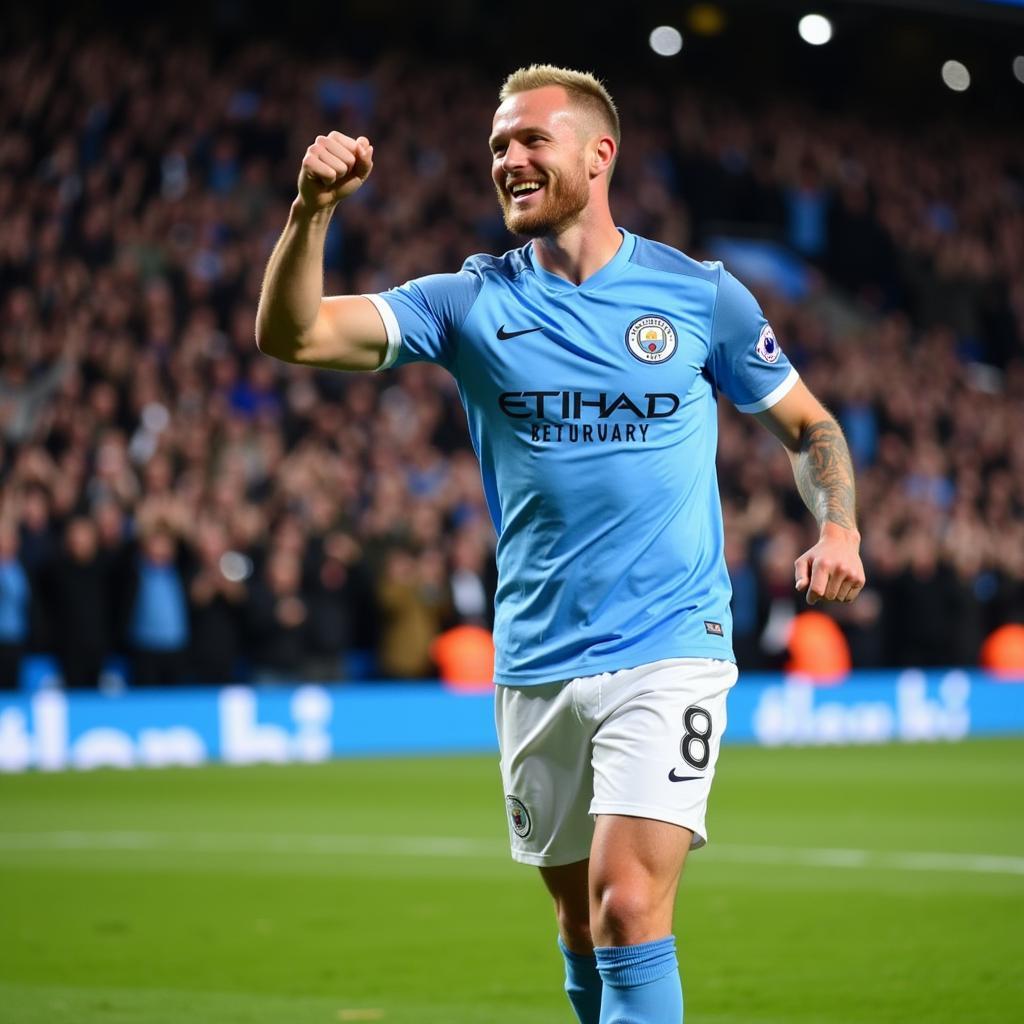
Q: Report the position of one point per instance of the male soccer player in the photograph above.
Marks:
(589, 362)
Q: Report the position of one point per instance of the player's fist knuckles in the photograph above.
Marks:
(333, 156)
(342, 139)
(340, 152)
(334, 166)
(313, 167)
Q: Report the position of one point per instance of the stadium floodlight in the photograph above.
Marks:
(1018, 69)
(235, 566)
(956, 76)
(666, 41)
(815, 29)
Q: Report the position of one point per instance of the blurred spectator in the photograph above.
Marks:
(25, 390)
(334, 593)
(158, 630)
(278, 617)
(36, 543)
(78, 605)
(116, 553)
(256, 396)
(782, 602)
(807, 214)
(412, 603)
(861, 624)
(745, 605)
(217, 595)
(922, 616)
(472, 579)
(15, 603)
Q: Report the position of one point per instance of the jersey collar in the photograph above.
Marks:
(609, 271)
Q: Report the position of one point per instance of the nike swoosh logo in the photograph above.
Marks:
(672, 777)
(504, 335)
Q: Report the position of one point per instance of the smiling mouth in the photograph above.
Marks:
(521, 191)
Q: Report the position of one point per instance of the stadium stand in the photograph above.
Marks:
(323, 526)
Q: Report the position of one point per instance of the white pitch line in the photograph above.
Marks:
(458, 846)
(241, 842)
(972, 863)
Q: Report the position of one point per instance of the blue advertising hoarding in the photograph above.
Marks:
(53, 730)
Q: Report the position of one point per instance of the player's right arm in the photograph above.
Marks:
(294, 321)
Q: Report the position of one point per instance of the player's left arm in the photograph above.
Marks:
(832, 568)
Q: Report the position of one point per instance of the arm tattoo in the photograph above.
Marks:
(824, 475)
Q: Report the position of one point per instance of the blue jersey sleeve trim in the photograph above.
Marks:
(752, 377)
(428, 314)
(394, 332)
(774, 396)
(424, 316)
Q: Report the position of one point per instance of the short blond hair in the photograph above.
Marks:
(583, 88)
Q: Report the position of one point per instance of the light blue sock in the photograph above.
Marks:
(582, 984)
(641, 983)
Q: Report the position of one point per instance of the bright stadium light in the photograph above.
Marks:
(1018, 69)
(666, 41)
(235, 566)
(956, 76)
(815, 29)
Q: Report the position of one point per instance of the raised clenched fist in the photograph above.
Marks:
(333, 168)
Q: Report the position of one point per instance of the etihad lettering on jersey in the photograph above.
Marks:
(574, 405)
(567, 406)
(586, 433)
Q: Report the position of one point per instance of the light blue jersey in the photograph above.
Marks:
(592, 409)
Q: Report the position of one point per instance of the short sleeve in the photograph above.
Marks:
(745, 361)
(423, 316)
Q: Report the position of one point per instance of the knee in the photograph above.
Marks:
(574, 926)
(625, 913)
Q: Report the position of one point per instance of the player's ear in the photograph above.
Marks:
(602, 155)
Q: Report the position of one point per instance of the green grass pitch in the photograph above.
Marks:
(843, 886)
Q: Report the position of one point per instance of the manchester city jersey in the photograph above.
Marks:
(592, 409)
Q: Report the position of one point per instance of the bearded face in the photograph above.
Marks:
(539, 147)
(539, 201)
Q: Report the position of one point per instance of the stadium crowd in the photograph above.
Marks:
(170, 494)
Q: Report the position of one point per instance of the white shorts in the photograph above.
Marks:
(641, 742)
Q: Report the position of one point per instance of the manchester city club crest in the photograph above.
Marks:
(767, 347)
(519, 816)
(651, 339)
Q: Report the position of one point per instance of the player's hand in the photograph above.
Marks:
(332, 169)
(832, 569)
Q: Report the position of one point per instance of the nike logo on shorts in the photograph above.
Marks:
(504, 335)
(672, 777)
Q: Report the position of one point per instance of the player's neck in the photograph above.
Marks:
(581, 250)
